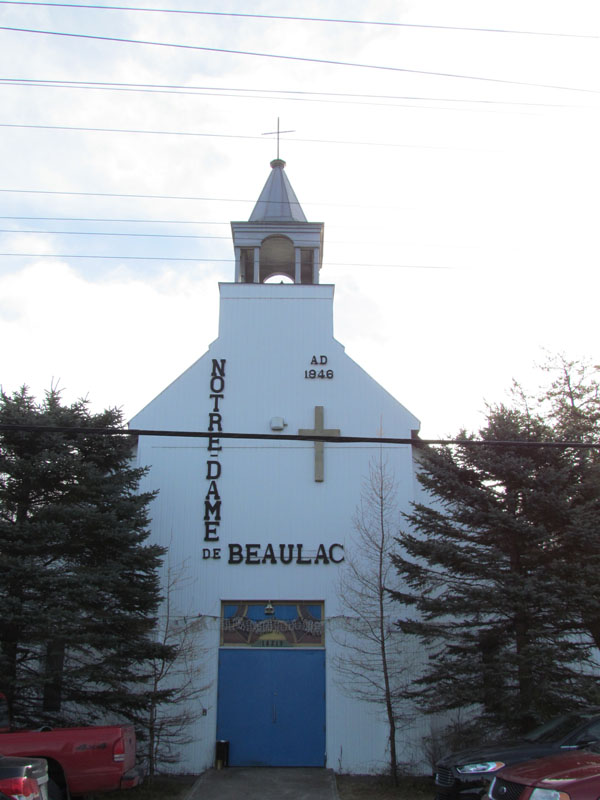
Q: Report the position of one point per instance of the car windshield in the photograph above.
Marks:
(556, 728)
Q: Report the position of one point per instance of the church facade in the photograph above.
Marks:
(261, 529)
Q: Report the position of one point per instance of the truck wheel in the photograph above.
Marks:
(55, 792)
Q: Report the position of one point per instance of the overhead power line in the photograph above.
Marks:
(303, 59)
(291, 437)
(234, 136)
(150, 221)
(179, 197)
(120, 219)
(115, 233)
(136, 196)
(337, 21)
(137, 234)
(91, 256)
(262, 93)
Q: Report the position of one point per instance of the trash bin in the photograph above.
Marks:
(222, 753)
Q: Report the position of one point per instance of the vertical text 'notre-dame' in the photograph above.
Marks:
(212, 500)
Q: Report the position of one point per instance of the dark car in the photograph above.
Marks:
(469, 772)
(23, 778)
(564, 776)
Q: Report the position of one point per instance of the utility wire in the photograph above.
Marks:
(180, 89)
(239, 94)
(379, 23)
(149, 221)
(414, 441)
(110, 258)
(120, 219)
(135, 234)
(136, 196)
(178, 197)
(303, 59)
(210, 260)
(117, 233)
(238, 136)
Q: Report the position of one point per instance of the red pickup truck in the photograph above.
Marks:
(80, 760)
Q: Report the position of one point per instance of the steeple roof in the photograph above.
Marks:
(277, 201)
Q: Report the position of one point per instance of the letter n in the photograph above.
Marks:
(218, 368)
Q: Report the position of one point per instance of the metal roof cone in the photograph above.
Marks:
(277, 201)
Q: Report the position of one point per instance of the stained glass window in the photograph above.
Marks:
(272, 624)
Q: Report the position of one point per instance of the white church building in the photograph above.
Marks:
(262, 527)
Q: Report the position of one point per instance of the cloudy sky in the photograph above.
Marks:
(452, 154)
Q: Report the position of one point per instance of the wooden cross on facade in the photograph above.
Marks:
(319, 430)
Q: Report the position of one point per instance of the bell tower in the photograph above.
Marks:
(277, 241)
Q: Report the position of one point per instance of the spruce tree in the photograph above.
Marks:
(79, 583)
(499, 565)
(572, 404)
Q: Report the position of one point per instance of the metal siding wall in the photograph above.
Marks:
(267, 488)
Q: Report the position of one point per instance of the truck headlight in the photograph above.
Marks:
(480, 767)
(549, 794)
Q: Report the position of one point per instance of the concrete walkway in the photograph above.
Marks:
(265, 783)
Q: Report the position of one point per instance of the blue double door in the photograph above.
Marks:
(271, 707)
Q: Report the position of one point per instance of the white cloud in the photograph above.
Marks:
(117, 341)
(503, 197)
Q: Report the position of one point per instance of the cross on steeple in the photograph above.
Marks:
(278, 132)
(319, 430)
